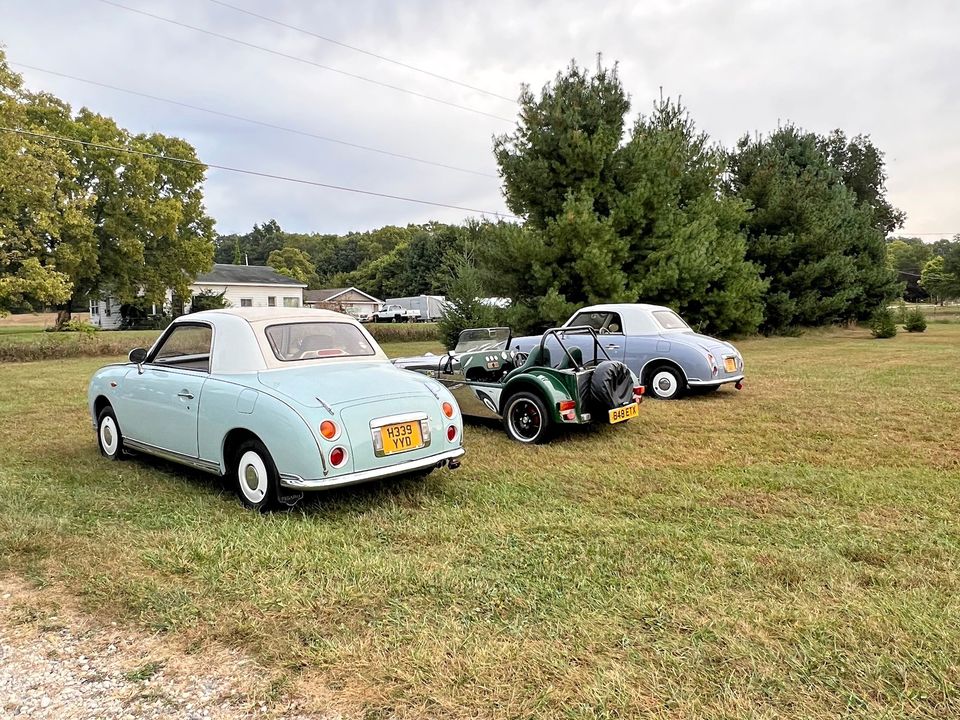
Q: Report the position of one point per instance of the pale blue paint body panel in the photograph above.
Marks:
(188, 414)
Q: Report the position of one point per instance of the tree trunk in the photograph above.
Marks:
(63, 314)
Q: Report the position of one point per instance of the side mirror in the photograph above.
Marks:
(138, 356)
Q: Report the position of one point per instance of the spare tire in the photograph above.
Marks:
(611, 385)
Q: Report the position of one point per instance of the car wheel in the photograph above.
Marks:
(109, 437)
(525, 419)
(256, 476)
(666, 383)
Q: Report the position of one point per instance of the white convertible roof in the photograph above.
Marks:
(240, 344)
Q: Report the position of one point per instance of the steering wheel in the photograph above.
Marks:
(520, 358)
(603, 331)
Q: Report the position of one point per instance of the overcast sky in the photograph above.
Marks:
(890, 69)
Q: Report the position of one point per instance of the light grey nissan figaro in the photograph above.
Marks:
(278, 400)
(670, 359)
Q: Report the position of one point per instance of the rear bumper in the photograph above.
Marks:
(720, 381)
(295, 482)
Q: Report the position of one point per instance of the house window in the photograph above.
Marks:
(246, 302)
(271, 301)
(291, 302)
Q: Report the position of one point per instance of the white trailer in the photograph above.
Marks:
(430, 306)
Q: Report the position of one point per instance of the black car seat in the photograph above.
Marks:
(538, 357)
(567, 364)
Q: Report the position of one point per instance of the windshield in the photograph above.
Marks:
(669, 320)
(483, 339)
(311, 340)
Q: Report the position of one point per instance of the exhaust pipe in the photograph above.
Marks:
(739, 385)
(453, 463)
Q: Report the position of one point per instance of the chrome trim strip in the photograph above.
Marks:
(391, 419)
(296, 482)
(205, 465)
(736, 378)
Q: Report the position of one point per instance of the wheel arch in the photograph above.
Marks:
(650, 365)
(99, 403)
(540, 386)
(232, 441)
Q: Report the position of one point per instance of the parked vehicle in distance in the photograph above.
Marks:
(528, 393)
(429, 307)
(278, 400)
(655, 343)
(392, 312)
(358, 314)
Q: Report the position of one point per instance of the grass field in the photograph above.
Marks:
(792, 550)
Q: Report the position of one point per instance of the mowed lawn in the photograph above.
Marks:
(791, 550)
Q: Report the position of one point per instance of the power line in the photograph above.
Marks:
(255, 173)
(361, 50)
(306, 61)
(252, 121)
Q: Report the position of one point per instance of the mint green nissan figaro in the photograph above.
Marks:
(278, 401)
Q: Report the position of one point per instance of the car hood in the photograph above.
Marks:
(340, 384)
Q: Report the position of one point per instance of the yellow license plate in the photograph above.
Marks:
(730, 364)
(624, 413)
(400, 437)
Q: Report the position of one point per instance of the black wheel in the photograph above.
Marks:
(256, 476)
(109, 437)
(665, 383)
(525, 418)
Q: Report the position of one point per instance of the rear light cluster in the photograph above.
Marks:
(329, 430)
(638, 392)
(452, 433)
(568, 410)
(447, 409)
(338, 456)
(714, 368)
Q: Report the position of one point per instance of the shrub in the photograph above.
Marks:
(403, 332)
(901, 312)
(882, 324)
(915, 322)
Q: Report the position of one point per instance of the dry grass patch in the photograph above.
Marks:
(790, 550)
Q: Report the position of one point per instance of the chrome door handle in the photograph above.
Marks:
(613, 347)
(185, 394)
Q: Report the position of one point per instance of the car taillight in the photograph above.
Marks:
(447, 409)
(638, 392)
(329, 429)
(568, 409)
(452, 433)
(338, 456)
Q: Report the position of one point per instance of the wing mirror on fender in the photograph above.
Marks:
(138, 356)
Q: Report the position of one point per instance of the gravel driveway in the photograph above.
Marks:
(57, 663)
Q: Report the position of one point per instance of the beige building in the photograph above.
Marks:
(346, 300)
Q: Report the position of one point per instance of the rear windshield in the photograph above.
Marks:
(311, 340)
(669, 320)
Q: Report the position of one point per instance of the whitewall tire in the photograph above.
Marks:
(666, 383)
(109, 437)
(255, 475)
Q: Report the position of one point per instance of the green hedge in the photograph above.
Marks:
(403, 332)
(31, 346)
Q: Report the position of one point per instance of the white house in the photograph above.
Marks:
(241, 285)
(342, 300)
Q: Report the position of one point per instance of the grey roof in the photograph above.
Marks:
(330, 293)
(223, 274)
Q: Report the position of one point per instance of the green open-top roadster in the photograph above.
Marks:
(533, 393)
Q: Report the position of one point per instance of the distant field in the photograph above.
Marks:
(934, 313)
(791, 550)
(34, 321)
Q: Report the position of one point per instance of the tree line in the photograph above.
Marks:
(77, 219)
(783, 230)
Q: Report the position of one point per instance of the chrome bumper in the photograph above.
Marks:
(722, 381)
(296, 482)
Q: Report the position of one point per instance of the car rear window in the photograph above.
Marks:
(312, 340)
(669, 320)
